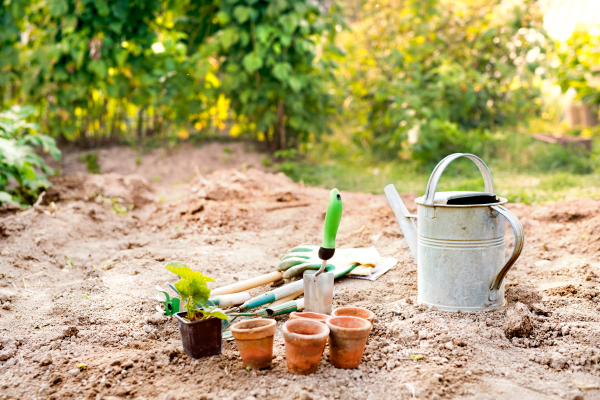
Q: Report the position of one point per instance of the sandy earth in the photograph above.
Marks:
(77, 281)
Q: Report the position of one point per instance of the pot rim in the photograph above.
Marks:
(266, 329)
(371, 313)
(315, 317)
(316, 336)
(184, 321)
(332, 326)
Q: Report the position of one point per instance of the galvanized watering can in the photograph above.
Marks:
(459, 242)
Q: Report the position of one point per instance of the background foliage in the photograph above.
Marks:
(275, 68)
(579, 64)
(22, 170)
(428, 78)
(359, 81)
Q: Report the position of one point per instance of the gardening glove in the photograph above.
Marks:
(305, 257)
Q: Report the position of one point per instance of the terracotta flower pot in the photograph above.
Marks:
(200, 338)
(305, 341)
(310, 315)
(354, 312)
(254, 338)
(347, 340)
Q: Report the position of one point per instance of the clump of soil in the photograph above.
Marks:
(77, 308)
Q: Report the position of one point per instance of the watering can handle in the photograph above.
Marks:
(519, 243)
(439, 169)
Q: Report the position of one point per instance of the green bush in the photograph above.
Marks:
(275, 67)
(22, 170)
(425, 78)
(578, 68)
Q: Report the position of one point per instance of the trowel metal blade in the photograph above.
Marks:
(318, 292)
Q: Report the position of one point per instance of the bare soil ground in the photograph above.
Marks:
(77, 278)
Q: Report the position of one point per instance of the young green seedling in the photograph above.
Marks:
(193, 290)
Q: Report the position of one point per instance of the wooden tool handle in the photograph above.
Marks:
(285, 299)
(248, 284)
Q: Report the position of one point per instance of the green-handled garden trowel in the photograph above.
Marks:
(318, 287)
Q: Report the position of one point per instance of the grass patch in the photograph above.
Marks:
(524, 170)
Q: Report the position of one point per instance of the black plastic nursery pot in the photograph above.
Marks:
(200, 338)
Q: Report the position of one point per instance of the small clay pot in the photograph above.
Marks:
(354, 312)
(310, 315)
(347, 340)
(254, 338)
(305, 341)
(200, 338)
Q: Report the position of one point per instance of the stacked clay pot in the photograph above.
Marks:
(310, 315)
(347, 340)
(354, 312)
(305, 341)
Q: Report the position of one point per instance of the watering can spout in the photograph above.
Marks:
(404, 218)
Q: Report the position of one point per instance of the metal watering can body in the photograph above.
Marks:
(459, 242)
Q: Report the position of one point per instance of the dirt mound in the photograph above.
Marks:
(231, 200)
(570, 211)
(525, 294)
(131, 189)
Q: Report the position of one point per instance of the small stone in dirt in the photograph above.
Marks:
(157, 319)
(518, 321)
(46, 359)
(6, 305)
(565, 330)
(6, 295)
(449, 345)
(116, 362)
(74, 372)
(468, 373)
(147, 329)
(557, 361)
(574, 395)
(127, 364)
(539, 309)
(304, 395)
(542, 263)
(526, 294)
(422, 335)
(71, 331)
(56, 378)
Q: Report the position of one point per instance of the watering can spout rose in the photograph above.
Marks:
(457, 241)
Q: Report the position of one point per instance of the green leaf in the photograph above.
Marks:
(98, 67)
(58, 8)
(295, 83)
(213, 312)
(192, 285)
(228, 37)
(285, 40)
(282, 71)
(252, 62)
(5, 198)
(241, 14)
(102, 7)
(223, 18)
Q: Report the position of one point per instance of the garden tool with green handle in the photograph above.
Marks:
(171, 304)
(318, 286)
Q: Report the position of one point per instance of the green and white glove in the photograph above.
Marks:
(305, 257)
